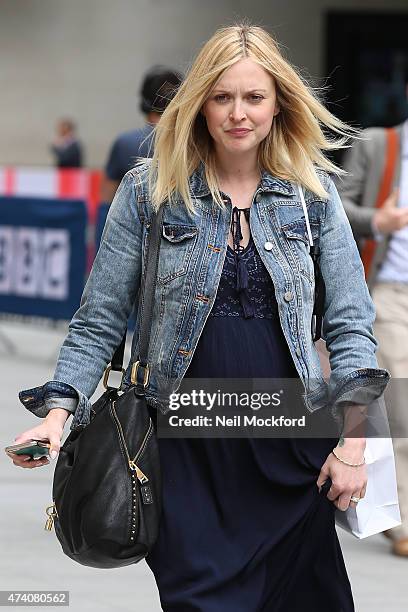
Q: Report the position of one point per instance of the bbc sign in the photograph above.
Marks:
(34, 262)
(42, 256)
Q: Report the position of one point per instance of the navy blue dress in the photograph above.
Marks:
(244, 527)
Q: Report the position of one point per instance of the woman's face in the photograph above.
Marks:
(240, 109)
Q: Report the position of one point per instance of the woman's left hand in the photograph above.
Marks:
(347, 481)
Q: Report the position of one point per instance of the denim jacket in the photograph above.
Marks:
(192, 252)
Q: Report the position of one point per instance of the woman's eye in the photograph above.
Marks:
(225, 97)
(221, 98)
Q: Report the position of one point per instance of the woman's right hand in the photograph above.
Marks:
(50, 430)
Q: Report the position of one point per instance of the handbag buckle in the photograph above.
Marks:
(146, 375)
(106, 378)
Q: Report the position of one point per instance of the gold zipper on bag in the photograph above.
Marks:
(132, 462)
(133, 466)
(141, 477)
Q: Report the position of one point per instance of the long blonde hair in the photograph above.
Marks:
(294, 147)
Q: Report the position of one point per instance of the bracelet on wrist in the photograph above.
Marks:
(348, 462)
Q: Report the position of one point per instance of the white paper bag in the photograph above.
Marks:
(379, 509)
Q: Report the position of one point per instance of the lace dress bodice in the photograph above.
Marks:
(245, 289)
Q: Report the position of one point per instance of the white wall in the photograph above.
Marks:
(85, 58)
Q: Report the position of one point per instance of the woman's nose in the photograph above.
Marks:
(237, 112)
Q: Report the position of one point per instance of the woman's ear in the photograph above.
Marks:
(276, 110)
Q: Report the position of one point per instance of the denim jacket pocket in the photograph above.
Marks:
(296, 237)
(178, 241)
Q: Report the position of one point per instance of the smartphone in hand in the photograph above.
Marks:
(34, 448)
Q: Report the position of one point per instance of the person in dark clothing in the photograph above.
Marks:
(158, 87)
(66, 147)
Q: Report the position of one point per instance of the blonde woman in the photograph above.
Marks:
(247, 524)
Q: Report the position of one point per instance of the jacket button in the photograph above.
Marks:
(258, 197)
(288, 296)
(298, 352)
(268, 246)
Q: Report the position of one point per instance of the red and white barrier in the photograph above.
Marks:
(25, 181)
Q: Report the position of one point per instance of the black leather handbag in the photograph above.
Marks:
(107, 481)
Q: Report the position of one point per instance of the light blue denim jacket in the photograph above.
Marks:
(192, 253)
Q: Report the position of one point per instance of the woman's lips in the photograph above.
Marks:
(238, 132)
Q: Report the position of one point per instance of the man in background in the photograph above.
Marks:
(158, 87)
(375, 197)
(66, 147)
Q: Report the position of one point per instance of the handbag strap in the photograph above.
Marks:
(320, 287)
(147, 290)
(146, 302)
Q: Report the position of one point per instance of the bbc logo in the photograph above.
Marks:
(34, 262)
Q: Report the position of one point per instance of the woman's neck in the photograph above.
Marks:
(235, 171)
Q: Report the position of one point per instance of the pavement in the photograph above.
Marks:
(32, 558)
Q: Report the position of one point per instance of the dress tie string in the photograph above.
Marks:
(241, 267)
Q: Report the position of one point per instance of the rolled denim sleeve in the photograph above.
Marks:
(97, 327)
(349, 311)
(53, 394)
